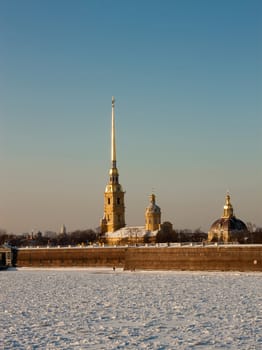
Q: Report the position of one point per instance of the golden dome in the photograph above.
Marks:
(228, 227)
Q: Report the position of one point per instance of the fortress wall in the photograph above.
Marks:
(66, 257)
(234, 258)
(216, 258)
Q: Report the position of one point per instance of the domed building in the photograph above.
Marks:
(228, 228)
(153, 215)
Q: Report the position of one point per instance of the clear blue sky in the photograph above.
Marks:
(187, 77)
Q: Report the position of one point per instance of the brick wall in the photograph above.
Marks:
(234, 258)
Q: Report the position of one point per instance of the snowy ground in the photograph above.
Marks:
(102, 309)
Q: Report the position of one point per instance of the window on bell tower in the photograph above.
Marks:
(118, 200)
(108, 200)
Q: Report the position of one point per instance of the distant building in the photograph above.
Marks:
(63, 229)
(228, 228)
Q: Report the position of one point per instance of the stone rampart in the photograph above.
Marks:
(213, 258)
(235, 258)
(67, 257)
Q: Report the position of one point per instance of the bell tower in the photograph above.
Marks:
(114, 206)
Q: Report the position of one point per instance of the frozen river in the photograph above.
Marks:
(102, 309)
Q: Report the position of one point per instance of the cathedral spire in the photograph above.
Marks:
(114, 206)
(113, 139)
(113, 171)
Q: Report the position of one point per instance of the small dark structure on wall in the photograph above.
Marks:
(5, 257)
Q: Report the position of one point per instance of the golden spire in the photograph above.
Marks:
(114, 206)
(228, 208)
(113, 140)
(113, 171)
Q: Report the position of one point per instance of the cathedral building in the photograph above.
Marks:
(228, 228)
(112, 225)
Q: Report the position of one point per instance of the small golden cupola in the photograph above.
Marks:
(228, 208)
(114, 207)
(153, 215)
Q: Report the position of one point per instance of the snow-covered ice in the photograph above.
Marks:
(102, 309)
